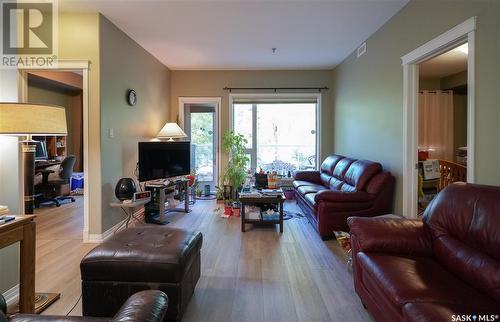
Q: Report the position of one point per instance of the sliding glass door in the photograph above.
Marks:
(282, 136)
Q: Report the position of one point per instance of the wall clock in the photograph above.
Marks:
(131, 97)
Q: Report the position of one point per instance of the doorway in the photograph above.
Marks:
(200, 121)
(80, 68)
(442, 123)
(463, 33)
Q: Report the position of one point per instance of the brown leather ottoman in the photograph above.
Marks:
(141, 258)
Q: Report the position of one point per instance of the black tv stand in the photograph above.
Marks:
(155, 210)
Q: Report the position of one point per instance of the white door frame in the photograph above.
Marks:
(70, 65)
(212, 101)
(462, 33)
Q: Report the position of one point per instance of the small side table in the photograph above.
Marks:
(128, 209)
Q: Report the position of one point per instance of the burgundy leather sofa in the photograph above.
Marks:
(145, 306)
(343, 187)
(447, 264)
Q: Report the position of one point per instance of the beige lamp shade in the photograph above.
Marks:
(171, 131)
(20, 119)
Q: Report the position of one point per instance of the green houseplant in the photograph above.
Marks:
(234, 173)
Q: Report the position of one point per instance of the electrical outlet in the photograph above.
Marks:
(111, 132)
(362, 49)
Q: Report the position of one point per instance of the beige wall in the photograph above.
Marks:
(211, 84)
(79, 39)
(369, 90)
(10, 193)
(125, 65)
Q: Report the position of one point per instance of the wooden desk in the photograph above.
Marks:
(41, 165)
(22, 230)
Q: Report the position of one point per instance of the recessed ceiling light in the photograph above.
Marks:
(463, 48)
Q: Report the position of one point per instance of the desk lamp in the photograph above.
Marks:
(171, 131)
(20, 119)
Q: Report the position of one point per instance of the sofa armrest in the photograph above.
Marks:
(308, 175)
(390, 235)
(343, 196)
(146, 306)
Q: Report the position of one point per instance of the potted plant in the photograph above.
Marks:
(236, 208)
(235, 173)
(228, 207)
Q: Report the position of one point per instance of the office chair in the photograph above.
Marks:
(57, 190)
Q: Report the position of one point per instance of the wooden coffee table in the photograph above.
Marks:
(264, 199)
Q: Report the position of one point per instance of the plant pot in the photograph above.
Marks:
(236, 212)
(227, 210)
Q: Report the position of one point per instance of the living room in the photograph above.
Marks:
(354, 64)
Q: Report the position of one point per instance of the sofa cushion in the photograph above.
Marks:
(464, 220)
(359, 174)
(310, 189)
(404, 279)
(432, 311)
(310, 199)
(300, 183)
(329, 164)
(339, 173)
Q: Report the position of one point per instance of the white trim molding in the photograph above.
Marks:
(11, 295)
(99, 238)
(462, 33)
(441, 43)
(84, 67)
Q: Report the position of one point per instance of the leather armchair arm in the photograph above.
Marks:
(308, 175)
(390, 235)
(146, 306)
(343, 196)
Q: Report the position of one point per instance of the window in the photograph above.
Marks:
(282, 133)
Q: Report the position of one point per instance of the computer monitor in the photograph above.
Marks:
(41, 151)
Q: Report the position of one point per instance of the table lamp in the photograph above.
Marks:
(20, 119)
(171, 131)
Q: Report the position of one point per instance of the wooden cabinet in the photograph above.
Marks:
(56, 145)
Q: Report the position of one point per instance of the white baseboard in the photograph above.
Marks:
(11, 295)
(99, 238)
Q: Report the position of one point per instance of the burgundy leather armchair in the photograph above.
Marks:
(342, 188)
(145, 306)
(447, 264)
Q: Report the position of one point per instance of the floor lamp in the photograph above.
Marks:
(20, 119)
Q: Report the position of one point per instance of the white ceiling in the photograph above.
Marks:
(449, 63)
(240, 34)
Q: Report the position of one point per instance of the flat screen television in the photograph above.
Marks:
(161, 160)
(41, 151)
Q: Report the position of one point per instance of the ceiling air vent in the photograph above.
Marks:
(362, 49)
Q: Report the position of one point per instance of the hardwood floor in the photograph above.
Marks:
(258, 275)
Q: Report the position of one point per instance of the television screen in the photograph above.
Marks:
(41, 151)
(160, 160)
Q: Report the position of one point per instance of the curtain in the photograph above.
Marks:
(435, 131)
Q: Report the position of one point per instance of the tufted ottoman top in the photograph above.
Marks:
(142, 254)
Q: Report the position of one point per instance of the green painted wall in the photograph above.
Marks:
(124, 65)
(368, 91)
